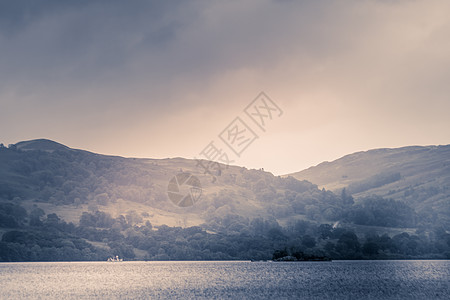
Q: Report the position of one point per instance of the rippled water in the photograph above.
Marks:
(240, 280)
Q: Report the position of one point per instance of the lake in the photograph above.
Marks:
(420, 279)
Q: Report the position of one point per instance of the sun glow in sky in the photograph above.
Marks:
(164, 78)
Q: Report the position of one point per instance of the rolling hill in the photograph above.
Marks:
(418, 176)
(58, 203)
(68, 181)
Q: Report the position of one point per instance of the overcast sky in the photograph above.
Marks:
(164, 78)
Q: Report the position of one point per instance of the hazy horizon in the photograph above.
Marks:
(158, 79)
(235, 164)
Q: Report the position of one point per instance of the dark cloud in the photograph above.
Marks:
(81, 38)
(67, 66)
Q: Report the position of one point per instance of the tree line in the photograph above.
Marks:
(99, 236)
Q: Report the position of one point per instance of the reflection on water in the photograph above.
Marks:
(250, 280)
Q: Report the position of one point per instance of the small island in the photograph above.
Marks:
(284, 255)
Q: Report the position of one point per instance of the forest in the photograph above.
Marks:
(40, 237)
(253, 214)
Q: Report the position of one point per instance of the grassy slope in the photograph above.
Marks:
(424, 171)
(420, 168)
(133, 175)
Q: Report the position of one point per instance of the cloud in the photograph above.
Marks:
(349, 74)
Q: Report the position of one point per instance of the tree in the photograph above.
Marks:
(370, 248)
(35, 216)
(133, 217)
(52, 220)
(280, 253)
(348, 245)
(325, 231)
(347, 199)
(12, 214)
(308, 241)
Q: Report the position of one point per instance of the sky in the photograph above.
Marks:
(161, 79)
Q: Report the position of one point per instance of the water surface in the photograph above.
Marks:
(244, 280)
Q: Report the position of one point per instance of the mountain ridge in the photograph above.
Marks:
(417, 175)
(54, 173)
(58, 203)
(40, 144)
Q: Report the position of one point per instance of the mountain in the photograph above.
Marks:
(416, 175)
(68, 182)
(41, 144)
(58, 203)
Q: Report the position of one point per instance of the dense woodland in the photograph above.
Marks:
(39, 237)
(74, 177)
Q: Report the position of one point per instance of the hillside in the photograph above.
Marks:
(67, 181)
(58, 203)
(40, 144)
(418, 176)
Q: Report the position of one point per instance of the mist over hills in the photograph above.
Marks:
(418, 176)
(45, 172)
(65, 203)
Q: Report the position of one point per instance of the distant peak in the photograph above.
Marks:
(41, 144)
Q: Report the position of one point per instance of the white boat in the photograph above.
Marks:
(114, 259)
